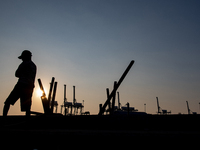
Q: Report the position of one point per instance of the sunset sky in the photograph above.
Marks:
(89, 44)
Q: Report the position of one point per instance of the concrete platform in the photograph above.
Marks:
(40, 130)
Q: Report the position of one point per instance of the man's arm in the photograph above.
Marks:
(18, 71)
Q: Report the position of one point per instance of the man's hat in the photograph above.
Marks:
(25, 53)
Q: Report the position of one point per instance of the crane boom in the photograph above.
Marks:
(188, 107)
(158, 105)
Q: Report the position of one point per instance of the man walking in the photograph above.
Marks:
(26, 73)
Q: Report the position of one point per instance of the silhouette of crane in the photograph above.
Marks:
(188, 108)
(160, 110)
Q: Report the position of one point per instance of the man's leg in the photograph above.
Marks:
(6, 109)
(12, 98)
(28, 111)
(26, 101)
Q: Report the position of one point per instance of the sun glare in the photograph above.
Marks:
(39, 93)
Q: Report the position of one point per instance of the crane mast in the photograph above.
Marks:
(158, 105)
(188, 107)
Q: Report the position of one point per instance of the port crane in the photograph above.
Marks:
(188, 108)
(72, 106)
(160, 110)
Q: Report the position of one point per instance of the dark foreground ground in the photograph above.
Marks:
(103, 132)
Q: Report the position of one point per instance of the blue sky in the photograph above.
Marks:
(90, 43)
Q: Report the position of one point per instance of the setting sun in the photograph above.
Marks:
(40, 93)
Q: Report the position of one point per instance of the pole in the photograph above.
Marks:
(50, 90)
(109, 104)
(74, 100)
(113, 99)
(117, 86)
(118, 100)
(44, 98)
(53, 97)
(65, 99)
(41, 87)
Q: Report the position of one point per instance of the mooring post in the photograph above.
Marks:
(117, 86)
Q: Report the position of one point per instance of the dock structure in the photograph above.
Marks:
(72, 108)
(113, 93)
(110, 102)
(66, 105)
(121, 110)
(133, 128)
(76, 105)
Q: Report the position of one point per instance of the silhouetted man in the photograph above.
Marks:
(24, 88)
